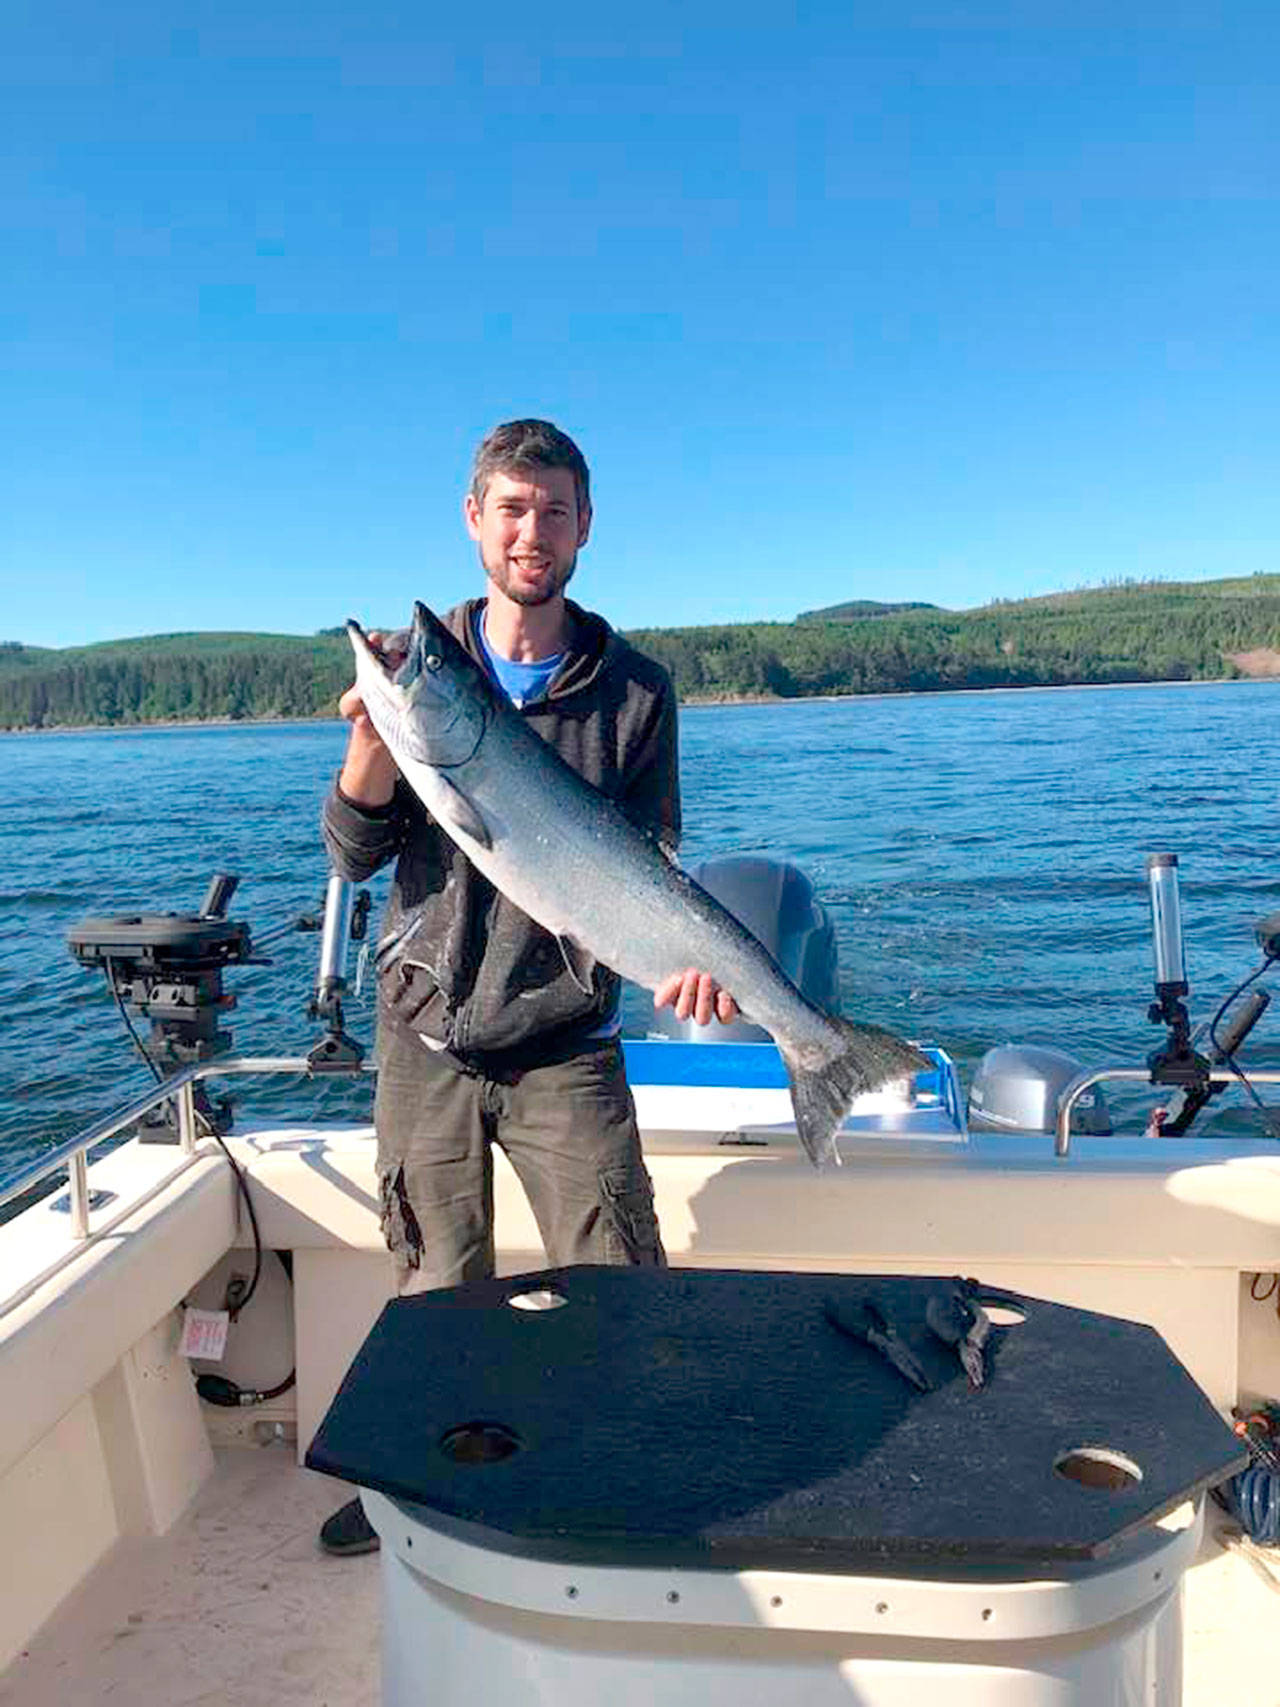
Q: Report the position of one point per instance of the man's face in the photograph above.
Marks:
(529, 531)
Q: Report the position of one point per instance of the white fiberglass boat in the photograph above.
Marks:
(162, 1548)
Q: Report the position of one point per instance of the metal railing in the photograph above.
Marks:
(178, 1088)
(1136, 1075)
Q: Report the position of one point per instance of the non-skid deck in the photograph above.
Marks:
(238, 1606)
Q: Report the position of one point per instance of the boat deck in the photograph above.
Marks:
(238, 1605)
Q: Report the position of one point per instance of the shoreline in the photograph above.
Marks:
(167, 725)
(172, 724)
(957, 693)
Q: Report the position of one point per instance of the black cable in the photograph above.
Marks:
(290, 1380)
(234, 1304)
(1230, 1060)
(235, 1299)
(218, 1390)
(129, 1026)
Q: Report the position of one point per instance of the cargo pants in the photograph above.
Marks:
(568, 1128)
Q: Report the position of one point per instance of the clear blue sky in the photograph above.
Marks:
(949, 302)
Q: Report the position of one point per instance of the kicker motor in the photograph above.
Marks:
(167, 968)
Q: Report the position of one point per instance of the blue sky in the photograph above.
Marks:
(945, 302)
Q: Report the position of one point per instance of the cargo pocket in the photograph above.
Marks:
(631, 1223)
(412, 996)
(400, 1226)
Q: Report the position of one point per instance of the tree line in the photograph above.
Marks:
(1139, 635)
(1119, 633)
(190, 678)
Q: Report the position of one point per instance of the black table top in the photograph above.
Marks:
(721, 1418)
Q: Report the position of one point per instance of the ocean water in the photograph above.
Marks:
(981, 855)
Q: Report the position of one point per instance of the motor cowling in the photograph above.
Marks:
(777, 904)
(1018, 1086)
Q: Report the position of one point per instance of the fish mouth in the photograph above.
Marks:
(425, 622)
(415, 692)
(399, 654)
(363, 645)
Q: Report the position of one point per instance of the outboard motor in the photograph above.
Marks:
(777, 904)
(167, 968)
(1017, 1088)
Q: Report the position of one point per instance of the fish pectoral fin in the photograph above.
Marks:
(452, 803)
(579, 963)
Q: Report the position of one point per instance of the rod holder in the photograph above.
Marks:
(339, 900)
(344, 920)
(1166, 923)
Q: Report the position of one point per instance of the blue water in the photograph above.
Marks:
(981, 855)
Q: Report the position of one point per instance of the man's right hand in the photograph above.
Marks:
(368, 775)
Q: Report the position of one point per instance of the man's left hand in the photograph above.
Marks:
(696, 995)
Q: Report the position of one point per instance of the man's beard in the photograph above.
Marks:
(531, 597)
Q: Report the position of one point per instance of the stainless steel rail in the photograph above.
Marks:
(74, 1153)
(1136, 1075)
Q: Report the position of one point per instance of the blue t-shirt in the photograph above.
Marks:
(523, 684)
(526, 684)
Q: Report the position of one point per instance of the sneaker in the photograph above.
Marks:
(348, 1530)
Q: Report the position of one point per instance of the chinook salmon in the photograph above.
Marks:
(605, 889)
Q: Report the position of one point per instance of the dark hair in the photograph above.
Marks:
(516, 447)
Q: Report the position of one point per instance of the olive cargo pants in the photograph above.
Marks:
(568, 1128)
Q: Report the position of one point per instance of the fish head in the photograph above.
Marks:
(426, 698)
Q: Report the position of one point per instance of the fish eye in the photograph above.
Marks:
(432, 661)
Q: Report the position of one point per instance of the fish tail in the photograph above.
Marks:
(824, 1085)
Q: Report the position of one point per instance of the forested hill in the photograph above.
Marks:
(173, 678)
(1128, 632)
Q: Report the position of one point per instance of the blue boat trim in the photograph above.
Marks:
(758, 1066)
(743, 1066)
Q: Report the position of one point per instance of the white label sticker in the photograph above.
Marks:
(204, 1334)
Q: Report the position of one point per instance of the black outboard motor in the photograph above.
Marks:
(167, 968)
(776, 902)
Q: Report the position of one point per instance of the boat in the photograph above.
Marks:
(162, 1530)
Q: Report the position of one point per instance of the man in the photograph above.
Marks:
(484, 1034)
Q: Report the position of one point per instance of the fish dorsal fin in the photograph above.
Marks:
(579, 963)
(454, 808)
